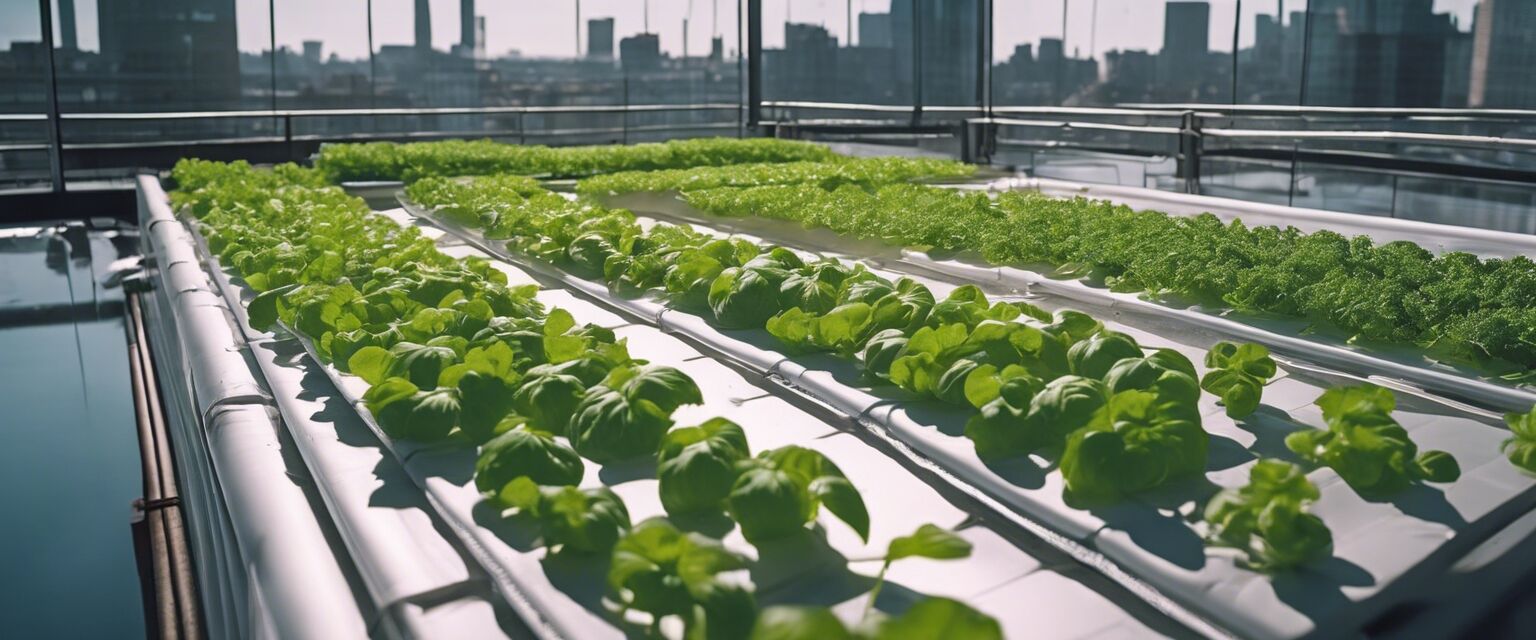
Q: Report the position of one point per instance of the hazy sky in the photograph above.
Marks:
(548, 27)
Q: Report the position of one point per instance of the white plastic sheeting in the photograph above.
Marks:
(1385, 552)
(263, 559)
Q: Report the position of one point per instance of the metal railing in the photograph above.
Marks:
(511, 123)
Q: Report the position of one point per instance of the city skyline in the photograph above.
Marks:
(1365, 53)
(1121, 25)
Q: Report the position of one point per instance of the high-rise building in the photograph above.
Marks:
(1186, 29)
(1186, 45)
(423, 26)
(640, 52)
(1379, 53)
(874, 30)
(949, 31)
(468, 34)
(312, 50)
(170, 55)
(67, 35)
(808, 65)
(600, 38)
(1503, 55)
(716, 49)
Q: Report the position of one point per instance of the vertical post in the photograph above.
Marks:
(917, 63)
(1189, 151)
(984, 57)
(55, 134)
(272, 66)
(754, 63)
(373, 73)
(1301, 98)
(1237, 29)
(578, 28)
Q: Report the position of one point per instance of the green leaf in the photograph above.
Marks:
(405, 412)
(838, 496)
(664, 387)
(608, 426)
(698, 465)
(262, 310)
(1368, 449)
(1438, 466)
(1093, 357)
(548, 400)
(665, 572)
(769, 503)
(799, 622)
(929, 541)
(1520, 448)
(745, 297)
(939, 619)
(1267, 520)
(485, 399)
(525, 453)
(372, 364)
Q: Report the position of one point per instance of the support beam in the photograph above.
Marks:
(754, 63)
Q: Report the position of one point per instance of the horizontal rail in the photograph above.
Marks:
(402, 111)
(1068, 125)
(1330, 111)
(1091, 111)
(1374, 136)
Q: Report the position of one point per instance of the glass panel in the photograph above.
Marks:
(154, 55)
(809, 56)
(137, 56)
(322, 54)
(1271, 35)
(1412, 53)
(949, 30)
(23, 98)
(1105, 52)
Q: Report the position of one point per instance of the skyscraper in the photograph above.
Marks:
(67, 37)
(171, 55)
(874, 29)
(640, 52)
(600, 38)
(1380, 53)
(949, 31)
(467, 36)
(1503, 55)
(423, 26)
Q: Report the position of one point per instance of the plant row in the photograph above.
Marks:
(1119, 420)
(827, 174)
(1460, 308)
(397, 161)
(454, 355)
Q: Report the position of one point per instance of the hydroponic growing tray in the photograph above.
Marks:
(485, 564)
(1386, 553)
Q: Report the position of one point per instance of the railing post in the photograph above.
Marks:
(1189, 151)
(55, 133)
(288, 135)
(754, 63)
(917, 63)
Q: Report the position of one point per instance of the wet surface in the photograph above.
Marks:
(70, 458)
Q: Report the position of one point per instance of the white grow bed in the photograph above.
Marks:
(496, 563)
(1387, 553)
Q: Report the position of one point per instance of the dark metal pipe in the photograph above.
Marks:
(175, 607)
